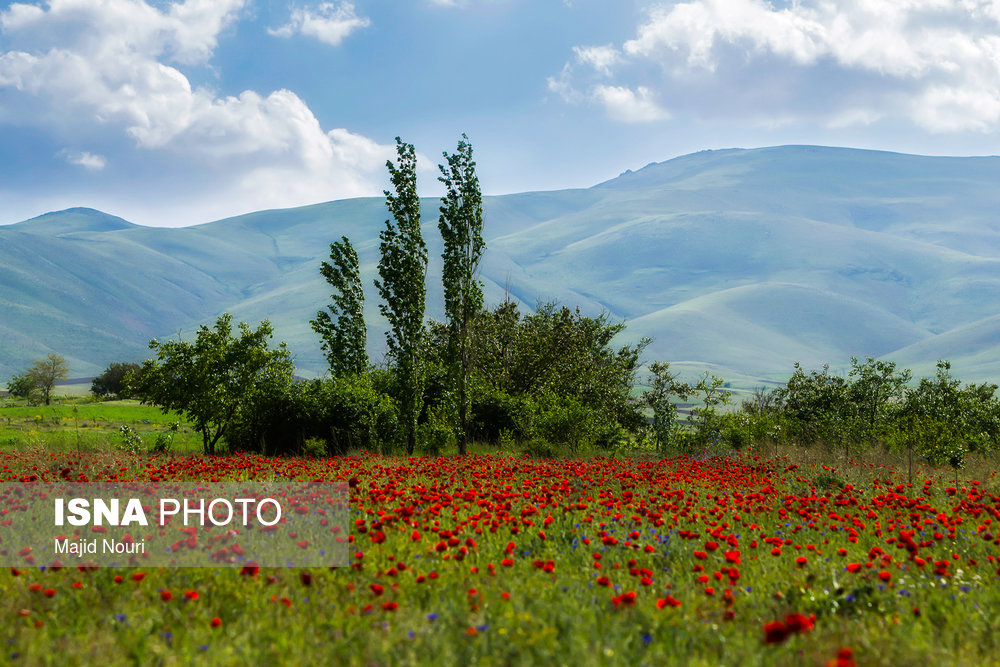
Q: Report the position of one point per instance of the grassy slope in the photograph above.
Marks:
(743, 261)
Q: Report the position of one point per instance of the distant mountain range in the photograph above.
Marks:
(740, 262)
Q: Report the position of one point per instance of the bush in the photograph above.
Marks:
(20, 386)
(560, 421)
(112, 381)
(348, 412)
(436, 434)
(744, 429)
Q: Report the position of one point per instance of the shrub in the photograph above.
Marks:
(112, 381)
(20, 386)
(437, 434)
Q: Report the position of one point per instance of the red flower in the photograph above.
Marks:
(216, 622)
(775, 632)
(669, 601)
(166, 595)
(627, 599)
(799, 623)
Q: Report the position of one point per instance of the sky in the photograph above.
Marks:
(178, 113)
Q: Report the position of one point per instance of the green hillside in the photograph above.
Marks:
(738, 261)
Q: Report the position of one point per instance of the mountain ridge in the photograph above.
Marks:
(735, 260)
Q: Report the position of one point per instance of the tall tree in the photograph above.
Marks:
(402, 270)
(44, 374)
(344, 338)
(461, 225)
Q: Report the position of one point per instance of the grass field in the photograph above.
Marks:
(500, 559)
(85, 425)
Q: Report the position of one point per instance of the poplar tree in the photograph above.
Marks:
(343, 327)
(402, 270)
(461, 225)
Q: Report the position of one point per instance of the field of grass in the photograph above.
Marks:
(86, 425)
(500, 559)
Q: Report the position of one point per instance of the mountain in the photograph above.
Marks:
(736, 261)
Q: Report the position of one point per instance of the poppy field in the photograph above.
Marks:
(504, 559)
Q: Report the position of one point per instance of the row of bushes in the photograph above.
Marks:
(551, 382)
(939, 420)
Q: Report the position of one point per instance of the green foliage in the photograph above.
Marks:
(20, 386)
(131, 443)
(663, 386)
(347, 412)
(112, 381)
(554, 353)
(165, 441)
(437, 434)
(559, 420)
(706, 419)
(745, 429)
(343, 327)
(874, 388)
(43, 375)
(402, 269)
(816, 405)
(214, 379)
(942, 421)
(461, 225)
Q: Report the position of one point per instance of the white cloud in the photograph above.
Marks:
(88, 161)
(186, 33)
(329, 23)
(601, 58)
(630, 106)
(935, 63)
(562, 85)
(110, 64)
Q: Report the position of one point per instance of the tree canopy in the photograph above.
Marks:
(214, 377)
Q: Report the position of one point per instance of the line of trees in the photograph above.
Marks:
(549, 380)
(939, 420)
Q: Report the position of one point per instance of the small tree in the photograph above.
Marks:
(44, 374)
(402, 270)
(461, 225)
(212, 379)
(873, 388)
(112, 380)
(344, 338)
(663, 385)
(817, 406)
(20, 386)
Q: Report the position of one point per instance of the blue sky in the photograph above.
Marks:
(176, 113)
